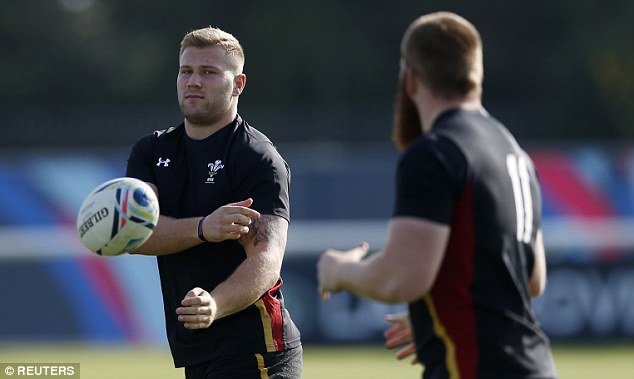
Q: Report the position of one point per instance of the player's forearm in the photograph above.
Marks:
(171, 236)
(407, 266)
(264, 245)
(372, 278)
(256, 275)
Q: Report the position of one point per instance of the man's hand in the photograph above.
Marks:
(329, 264)
(229, 222)
(399, 334)
(198, 309)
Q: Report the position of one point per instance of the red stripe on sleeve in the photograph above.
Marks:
(274, 309)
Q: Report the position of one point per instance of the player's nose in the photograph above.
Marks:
(194, 81)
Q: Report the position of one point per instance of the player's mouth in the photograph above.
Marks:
(194, 96)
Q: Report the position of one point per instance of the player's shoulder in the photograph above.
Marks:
(251, 135)
(158, 136)
(251, 139)
(434, 149)
(434, 142)
(473, 130)
(165, 133)
(470, 124)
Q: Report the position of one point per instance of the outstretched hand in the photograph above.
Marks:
(198, 309)
(230, 221)
(329, 264)
(400, 334)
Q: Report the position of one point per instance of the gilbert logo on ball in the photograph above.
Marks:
(117, 216)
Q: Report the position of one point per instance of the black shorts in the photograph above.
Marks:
(278, 365)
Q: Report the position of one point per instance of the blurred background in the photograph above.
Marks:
(82, 80)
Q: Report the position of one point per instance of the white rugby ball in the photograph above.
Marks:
(117, 216)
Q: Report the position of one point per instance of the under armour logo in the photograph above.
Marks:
(165, 162)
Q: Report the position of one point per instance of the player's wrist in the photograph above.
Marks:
(339, 276)
(201, 229)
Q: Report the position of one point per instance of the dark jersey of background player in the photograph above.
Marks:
(477, 317)
(465, 247)
(195, 177)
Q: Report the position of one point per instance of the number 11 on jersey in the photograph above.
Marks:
(518, 171)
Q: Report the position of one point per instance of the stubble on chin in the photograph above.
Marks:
(199, 115)
(198, 118)
(209, 113)
(407, 126)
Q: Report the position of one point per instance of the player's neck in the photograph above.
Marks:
(202, 131)
(432, 109)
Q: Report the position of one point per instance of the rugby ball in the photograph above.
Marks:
(117, 216)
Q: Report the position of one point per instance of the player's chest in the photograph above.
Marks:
(200, 181)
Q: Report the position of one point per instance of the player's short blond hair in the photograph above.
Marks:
(445, 51)
(209, 36)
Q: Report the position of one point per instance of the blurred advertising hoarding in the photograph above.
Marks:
(339, 197)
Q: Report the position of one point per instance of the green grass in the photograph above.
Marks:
(342, 362)
(596, 361)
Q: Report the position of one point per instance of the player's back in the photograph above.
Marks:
(478, 308)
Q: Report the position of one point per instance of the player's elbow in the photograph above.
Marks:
(270, 266)
(401, 289)
(412, 294)
(537, 282)
(537, 287)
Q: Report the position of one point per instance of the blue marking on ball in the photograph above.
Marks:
(140, 197)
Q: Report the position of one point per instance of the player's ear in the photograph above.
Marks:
(410, 78)
(239, 82)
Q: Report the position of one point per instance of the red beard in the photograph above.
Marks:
(407, 125)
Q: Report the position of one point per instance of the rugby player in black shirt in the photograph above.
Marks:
(223, 193)
(465, 247)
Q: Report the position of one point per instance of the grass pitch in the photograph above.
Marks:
(330, 362)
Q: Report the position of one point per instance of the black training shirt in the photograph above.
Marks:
(194, 178)
(477, 320)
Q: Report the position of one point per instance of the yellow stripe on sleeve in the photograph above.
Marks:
(264, 372)
(267, 326)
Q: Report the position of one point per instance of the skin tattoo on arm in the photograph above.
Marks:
(260, 231)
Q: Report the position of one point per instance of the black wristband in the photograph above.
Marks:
(200, 229)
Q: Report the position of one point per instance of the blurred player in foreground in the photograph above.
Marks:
(465, 248)
(220, 239)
